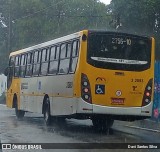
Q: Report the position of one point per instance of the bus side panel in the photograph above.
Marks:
(58, 88)
(29, 94)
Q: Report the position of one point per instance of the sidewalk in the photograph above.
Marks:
(147, 123)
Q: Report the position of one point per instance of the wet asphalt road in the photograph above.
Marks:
(33, 130)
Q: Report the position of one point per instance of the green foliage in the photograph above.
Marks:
(139, 17)
(36, 21)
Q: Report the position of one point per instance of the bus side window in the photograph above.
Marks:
(36, 63)
(69, 49)
(16, 68)
(53, 60)
(64, 59)
(74, 56)
(29, 65)
(44, 61)
(11, 66)
(23, 65)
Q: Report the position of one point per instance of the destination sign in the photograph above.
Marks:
(121, 41)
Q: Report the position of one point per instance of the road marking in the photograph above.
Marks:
(135, 127)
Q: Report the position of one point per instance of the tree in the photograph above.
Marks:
(35, 21)
(139, 17)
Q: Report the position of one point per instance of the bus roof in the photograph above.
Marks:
(66, 38)
(48, 43)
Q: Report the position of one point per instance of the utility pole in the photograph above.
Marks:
(9, 28)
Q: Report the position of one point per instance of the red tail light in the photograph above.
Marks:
(85, 89)
(147, 93)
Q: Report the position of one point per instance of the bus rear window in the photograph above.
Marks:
(119, 52)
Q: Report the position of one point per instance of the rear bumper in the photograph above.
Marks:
(87, 108)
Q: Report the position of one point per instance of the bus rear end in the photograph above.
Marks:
(117, 76)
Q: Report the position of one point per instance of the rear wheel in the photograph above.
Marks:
(19, 113)
(46, 113)
(102, 124)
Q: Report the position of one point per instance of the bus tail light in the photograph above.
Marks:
(85, 89)
(147, 93)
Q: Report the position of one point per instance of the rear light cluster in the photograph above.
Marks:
(147, 93)
(85, 89)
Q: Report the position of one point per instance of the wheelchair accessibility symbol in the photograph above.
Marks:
(99, 89)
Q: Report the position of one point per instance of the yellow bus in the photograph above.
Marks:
(98, 75)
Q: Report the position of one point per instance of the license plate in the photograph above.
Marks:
(117, 101)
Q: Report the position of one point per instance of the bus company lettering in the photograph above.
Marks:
(24, 86)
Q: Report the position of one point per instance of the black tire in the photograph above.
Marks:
(46, 113)
(102, 124)
(19, 113)
(60, 119)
